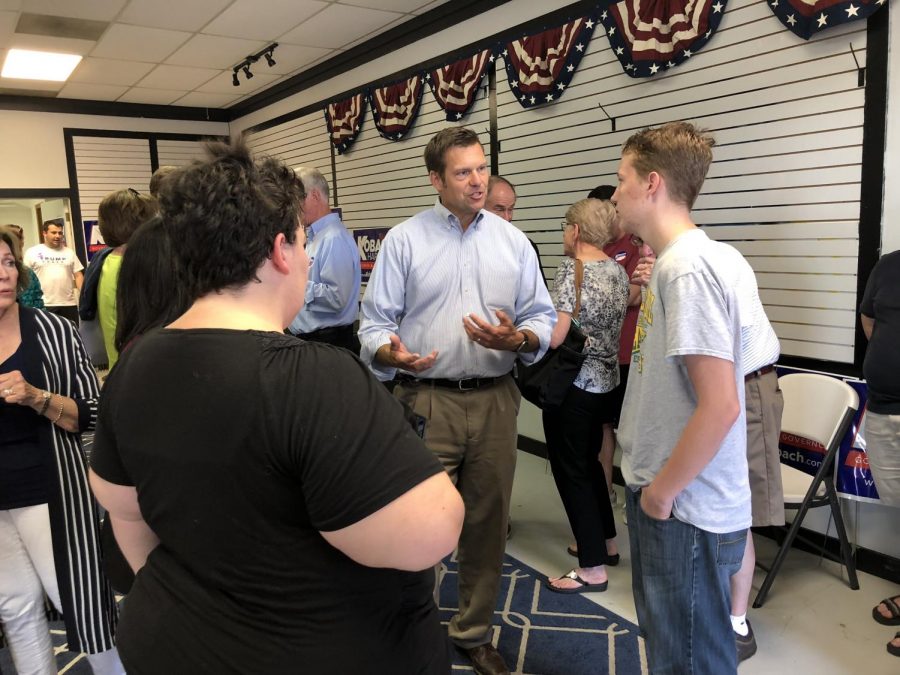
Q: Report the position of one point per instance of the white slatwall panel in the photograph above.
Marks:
(785, 185)
(178, 153)
(299, 142)
(106, 164)
(381, 182)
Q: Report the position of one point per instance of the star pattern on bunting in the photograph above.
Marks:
(455, 85)
(806, 18)
(394, 107)
(539, 68)
(344, 121)
(648, 36)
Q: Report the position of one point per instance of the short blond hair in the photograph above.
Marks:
(595, 220)
(680, 152)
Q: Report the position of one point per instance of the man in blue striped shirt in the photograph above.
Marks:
(455, 297)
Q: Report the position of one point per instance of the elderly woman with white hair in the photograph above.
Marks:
(574, 431)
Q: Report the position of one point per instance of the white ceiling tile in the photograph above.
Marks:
(223, 85)
(337, 25)
(13, 5)
(289, 58)
(207, 51)
(197, 99)
(429, 6)
(369, 36)
(136, 43)
(94, 92)
(108, 71)
(189, 15)
(262, 21)
(98, 10)
(50, 44)
(154, 96)
(8, 22)
(409, 6)
(178, 77)
(38, 85)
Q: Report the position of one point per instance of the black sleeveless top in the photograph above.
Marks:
(24, 477)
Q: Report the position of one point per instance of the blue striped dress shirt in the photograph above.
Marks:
(430, 274)
(332, 291)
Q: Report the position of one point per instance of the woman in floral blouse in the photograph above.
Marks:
(574, 431)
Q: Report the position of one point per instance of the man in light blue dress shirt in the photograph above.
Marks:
(332, 293)
(455, 297)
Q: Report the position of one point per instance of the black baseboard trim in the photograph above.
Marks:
(867, 560)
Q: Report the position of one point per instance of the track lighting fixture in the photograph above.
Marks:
(244, 65)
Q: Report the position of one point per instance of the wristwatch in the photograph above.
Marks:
(45, 398)
(524, 343)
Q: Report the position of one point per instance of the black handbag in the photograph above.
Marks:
(546, 382)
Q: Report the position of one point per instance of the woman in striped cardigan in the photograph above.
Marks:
(49, 533)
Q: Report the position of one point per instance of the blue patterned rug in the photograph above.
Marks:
(539, 632)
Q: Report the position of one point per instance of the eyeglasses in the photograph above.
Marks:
(564, 224)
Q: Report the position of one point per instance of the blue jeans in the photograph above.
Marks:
(680, 579)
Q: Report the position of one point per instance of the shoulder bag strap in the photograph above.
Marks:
(579, 280)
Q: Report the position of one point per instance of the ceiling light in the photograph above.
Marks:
(269, 59)
(247, 72)
(23, 64)
(234, 79)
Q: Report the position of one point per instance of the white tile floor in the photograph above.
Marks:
(811, 622)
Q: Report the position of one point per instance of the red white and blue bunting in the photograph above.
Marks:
(395, 107)
(806, 18)
(651, 36)
(540, 67)
(455, 86)
(344, 120)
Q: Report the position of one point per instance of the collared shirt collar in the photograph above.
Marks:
(317, 226)
(450, 219)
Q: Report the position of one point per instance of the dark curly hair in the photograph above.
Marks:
(224, 212)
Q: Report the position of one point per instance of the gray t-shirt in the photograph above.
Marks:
(690, 308)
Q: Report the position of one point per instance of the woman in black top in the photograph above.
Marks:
(280, 513)
(48, 520)
(880, 316)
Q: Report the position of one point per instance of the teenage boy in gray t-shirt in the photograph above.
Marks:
(682, 429)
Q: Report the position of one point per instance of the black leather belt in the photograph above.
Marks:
(460, 385)
(765, 370)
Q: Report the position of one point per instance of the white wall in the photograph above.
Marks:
(34, 153)
(890, 239)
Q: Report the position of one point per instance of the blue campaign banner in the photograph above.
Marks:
(368, 241)
(93, 238)
(853, 479)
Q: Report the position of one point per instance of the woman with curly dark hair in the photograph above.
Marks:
(268, 492)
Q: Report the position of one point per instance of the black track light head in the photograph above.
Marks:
(234, 79)
(247, 72)
(269, 59)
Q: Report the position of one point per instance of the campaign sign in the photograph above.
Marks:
(368, 241)
(853, 478)
(93, 238)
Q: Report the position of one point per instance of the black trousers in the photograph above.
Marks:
(339, 336)
(574, 433)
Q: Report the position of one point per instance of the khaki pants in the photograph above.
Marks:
(764, 404)
(473, 434)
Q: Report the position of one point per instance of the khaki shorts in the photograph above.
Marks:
(764, 404)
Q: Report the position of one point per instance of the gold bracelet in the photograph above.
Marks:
(59, 414)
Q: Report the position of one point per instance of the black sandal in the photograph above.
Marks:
(892, 648)
(894, 618)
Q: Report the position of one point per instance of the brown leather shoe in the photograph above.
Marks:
(487, 660)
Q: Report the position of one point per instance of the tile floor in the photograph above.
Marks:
(811, 622)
